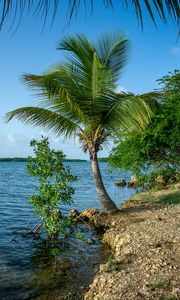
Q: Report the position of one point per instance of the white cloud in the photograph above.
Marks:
(55, 140)
(175, 50)
(14, 144)
(11, 138)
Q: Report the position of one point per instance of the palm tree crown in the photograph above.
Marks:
(78, 96)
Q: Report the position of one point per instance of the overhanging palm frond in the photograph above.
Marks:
(46, 8)
(53, 122)
(153, 99)
(129, 112)
(56, 82)
(57, 90)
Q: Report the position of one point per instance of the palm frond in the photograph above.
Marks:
(55, 91)
(112, 49)
(153, 99)
(93, 76)
(79, 47)
(49, 10)
(129, 112)
(51, 121)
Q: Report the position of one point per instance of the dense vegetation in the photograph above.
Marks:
(156, 150)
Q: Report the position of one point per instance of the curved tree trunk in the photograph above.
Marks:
(106, 203)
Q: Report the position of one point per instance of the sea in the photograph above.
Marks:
(28, 270)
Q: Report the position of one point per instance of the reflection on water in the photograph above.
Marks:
(27, 268)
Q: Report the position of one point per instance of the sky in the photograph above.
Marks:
(153, 53)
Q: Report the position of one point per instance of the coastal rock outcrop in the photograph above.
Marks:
(120, 182)
(133, 182)
(89, 214)
(74, 213)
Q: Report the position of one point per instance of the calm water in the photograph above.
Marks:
(27, 270)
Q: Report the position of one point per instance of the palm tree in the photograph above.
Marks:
(78, 98)
(16, 8)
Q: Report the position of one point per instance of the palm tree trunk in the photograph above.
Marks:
(106, 203)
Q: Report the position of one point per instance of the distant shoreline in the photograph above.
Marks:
(24, 159)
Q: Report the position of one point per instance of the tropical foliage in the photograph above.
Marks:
(156, 150)
(78, 98)
(54, 189)
(45, 8)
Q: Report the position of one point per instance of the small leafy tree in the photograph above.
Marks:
(53, 189)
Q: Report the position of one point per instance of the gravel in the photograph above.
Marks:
(145, 243)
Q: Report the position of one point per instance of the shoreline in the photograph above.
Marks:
(144, 238)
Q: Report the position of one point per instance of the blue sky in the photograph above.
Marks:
(153, 54)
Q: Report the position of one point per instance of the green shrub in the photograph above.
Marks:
(54, 189)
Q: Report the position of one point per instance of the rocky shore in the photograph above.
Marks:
(145, 241)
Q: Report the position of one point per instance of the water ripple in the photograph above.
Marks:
(26, 272)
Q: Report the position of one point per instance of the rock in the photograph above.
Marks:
(177, 185)
(171, 180)
(89, 214)
(121, 182)
(160, 179)
(74, 213)
(90, 241)
(133, 179)
(103, 268)
(176, 292)
(133, 182)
